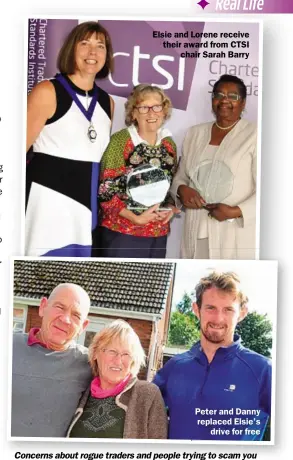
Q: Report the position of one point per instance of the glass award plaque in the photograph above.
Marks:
(146, 185)
(213, 180)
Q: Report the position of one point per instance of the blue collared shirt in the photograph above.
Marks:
(228, 399)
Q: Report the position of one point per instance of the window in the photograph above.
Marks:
(95, 325)
(19, 318)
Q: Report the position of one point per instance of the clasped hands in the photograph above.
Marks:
(191, 199)
(154, 214)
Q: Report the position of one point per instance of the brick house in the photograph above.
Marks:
(138, 292)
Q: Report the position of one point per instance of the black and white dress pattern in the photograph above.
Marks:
(62, 177)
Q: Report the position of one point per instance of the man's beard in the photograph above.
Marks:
(217, 336)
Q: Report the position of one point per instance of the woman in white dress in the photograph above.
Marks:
(68, 126)
(216, 179)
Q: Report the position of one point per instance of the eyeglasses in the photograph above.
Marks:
(229, 96)
(145, 108)
(125, 357)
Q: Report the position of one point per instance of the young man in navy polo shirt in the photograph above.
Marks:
(218, 390)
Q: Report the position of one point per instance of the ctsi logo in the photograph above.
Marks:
(142, 55)
(133, 60)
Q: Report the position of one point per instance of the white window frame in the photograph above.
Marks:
(96, 323)
(25, 310)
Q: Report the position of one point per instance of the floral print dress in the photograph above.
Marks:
(123, 154)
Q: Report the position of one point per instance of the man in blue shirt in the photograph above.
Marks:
(218, 390)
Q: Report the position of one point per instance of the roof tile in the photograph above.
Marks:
(131, 286)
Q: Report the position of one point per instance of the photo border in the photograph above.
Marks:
(208, 262)
(204, 19)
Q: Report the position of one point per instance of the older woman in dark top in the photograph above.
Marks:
(117, 404)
